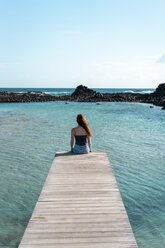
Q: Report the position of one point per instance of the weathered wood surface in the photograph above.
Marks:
(79, 207)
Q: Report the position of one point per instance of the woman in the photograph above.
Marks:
(82, 135)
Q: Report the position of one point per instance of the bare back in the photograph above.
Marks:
(79, 131)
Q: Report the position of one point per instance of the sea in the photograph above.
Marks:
(132, 135)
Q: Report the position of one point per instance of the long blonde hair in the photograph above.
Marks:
(83, 123)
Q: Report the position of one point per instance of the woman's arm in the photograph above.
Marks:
(90, 143)
(72, 139)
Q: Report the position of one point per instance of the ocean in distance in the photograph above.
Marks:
(132, 135)
(69, 91)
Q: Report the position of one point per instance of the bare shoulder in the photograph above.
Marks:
(73, 130)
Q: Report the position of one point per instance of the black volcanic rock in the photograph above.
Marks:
(84, 94)
(160, 90)
(83, 90)
(26, 97)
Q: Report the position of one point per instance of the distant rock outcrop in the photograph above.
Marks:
(83, 91)
(160, 90)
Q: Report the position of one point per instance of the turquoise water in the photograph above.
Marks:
(132, 134)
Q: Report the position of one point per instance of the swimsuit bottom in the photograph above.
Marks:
(81, 149)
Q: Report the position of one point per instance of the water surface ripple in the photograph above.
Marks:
(132, 134)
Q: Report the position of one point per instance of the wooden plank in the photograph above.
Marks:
(87, 245)
(79, 207)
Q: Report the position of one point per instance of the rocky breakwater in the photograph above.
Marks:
(157, 97)
(30, 96)
(84, 94)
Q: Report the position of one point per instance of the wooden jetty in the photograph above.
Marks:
(79, 207)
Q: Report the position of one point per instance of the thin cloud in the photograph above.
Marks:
(161, 59)
(7, 64)
(142, 74)
(108, 63)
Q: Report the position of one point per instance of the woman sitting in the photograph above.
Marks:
(82, 135)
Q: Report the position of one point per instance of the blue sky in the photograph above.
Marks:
(99, 43)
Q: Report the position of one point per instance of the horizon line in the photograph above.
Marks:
(75, 87)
